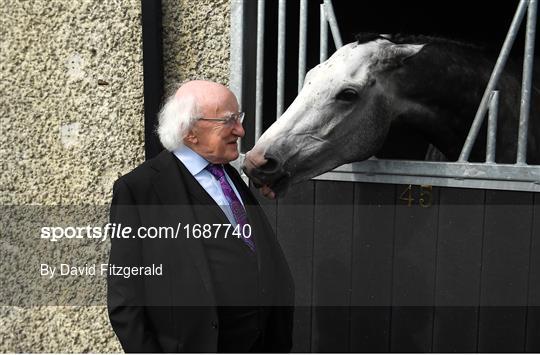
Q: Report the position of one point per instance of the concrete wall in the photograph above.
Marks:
(196, 40)
(71, 110)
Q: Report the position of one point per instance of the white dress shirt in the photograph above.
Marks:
(196, 165)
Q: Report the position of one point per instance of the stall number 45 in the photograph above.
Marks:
(425, 195)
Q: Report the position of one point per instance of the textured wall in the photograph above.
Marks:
(71, 111)
(196, 40)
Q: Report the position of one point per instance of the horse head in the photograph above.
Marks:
(390, 96)
(342, 114)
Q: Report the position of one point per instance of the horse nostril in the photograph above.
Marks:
(271, 166)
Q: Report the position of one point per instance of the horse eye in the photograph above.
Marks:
(347, 95)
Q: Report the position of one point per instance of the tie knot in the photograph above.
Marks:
(216, 170)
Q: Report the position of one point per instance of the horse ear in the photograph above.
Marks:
(402, 52)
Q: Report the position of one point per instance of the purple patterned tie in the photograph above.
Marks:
(236, 206)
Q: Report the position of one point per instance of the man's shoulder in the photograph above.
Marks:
(144, 173)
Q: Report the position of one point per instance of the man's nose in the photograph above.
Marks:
(238, 129)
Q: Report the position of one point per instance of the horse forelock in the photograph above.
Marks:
(357, 62)
(337, 68)
(375, 56)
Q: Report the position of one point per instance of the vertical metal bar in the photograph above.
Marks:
(331, 16)
(280, 95)
(323, 42)
(237, 53)
(492, 127)
(260, 70)
(302, 44)
(495, 75)
(526, 86)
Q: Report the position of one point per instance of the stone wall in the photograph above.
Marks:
(71, 110)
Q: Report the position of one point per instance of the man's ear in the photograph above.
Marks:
(191, 138)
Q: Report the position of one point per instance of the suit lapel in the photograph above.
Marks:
(256, 218)
(269, 253)
(176, 190)
(246, 195)
(175, 170)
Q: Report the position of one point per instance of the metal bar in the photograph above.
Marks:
(280, 95)
(508, 172)
(434, 181)
(260, 70)
(495, 75)
(331, 16)
(526, 86)
(323, 42)
(237, 53)
(492, 127)
(302, 44)
(468, 175)
(473, 175)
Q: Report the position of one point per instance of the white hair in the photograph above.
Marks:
(176, 118)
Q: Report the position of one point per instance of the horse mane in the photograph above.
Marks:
(450, 76)
(455, 63)
(462, 57)
(401, 38)
(365, 37)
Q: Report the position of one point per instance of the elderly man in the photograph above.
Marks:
(225, 285)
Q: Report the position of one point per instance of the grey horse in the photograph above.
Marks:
(389, 97)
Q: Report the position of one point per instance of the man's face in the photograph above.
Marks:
(216, 141)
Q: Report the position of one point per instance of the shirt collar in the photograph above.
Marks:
(193, 161)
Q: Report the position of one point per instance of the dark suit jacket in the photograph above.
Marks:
(176, 312)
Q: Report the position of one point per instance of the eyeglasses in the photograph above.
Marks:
(230, 120)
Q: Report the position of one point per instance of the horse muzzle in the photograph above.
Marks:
(266, 170)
